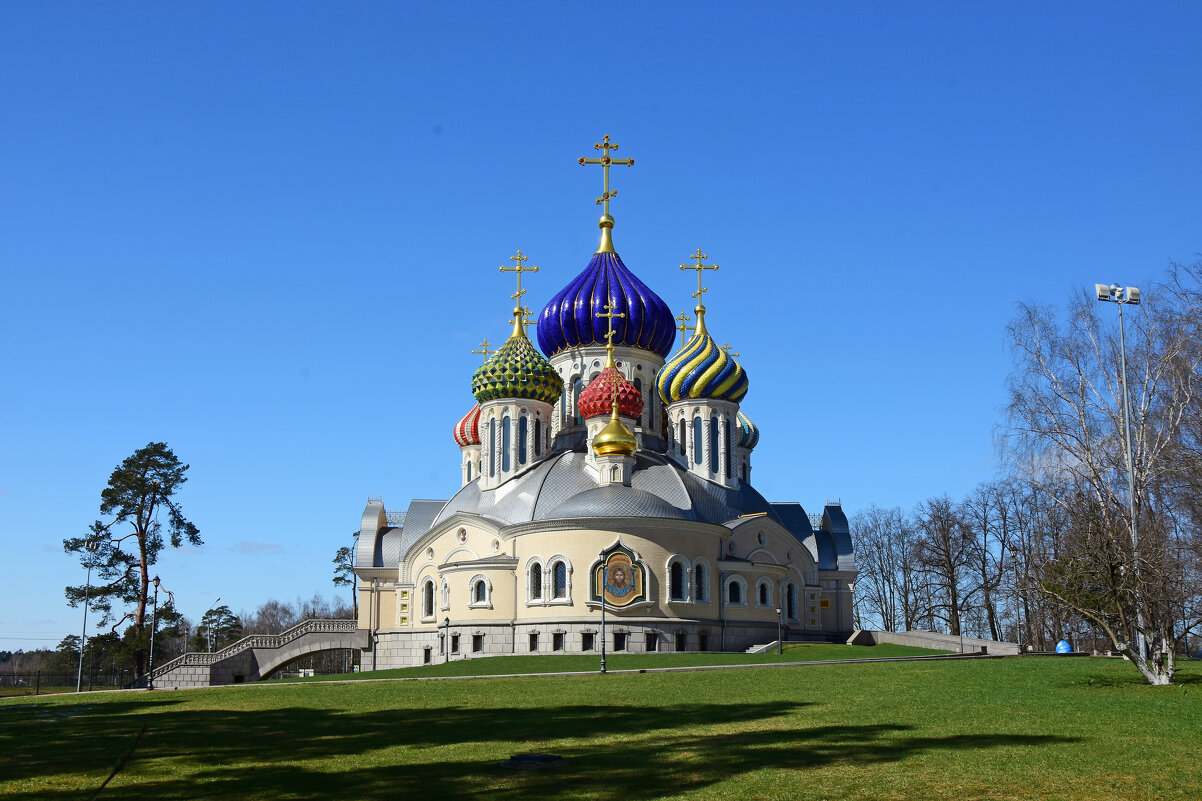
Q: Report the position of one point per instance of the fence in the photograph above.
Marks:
(46, 681)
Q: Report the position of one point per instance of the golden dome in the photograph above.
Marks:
(615, 438)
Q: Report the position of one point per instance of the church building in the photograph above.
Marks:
(606, 497)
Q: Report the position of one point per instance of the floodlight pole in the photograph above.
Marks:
(91, 547)
(602, 594)
(1122, 296)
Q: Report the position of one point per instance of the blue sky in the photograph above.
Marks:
(268, 234)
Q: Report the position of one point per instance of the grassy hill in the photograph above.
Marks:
(1030, 727)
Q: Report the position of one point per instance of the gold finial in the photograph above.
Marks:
(484, 348)
(522, 317)
(684, 320)
(726, 350)
(615, 437)
(606, 222)
(609, 316)
(519, 269)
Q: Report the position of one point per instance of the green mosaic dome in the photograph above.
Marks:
(517, 370)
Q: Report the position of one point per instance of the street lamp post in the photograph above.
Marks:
(91, 547)
(602, 594)
(446, 640)
(209, 627)
(780, 645)
(154, 613)
(1123, 296)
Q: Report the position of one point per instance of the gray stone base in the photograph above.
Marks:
(396, 649)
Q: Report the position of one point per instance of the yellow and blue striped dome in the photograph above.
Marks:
(701, 369)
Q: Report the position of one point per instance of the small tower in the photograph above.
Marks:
(612, 449)
(701, 386)
(747, 436)
(516, 388)
(608, 394)
(467, 437)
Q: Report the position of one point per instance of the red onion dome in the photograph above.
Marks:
(467, 430)
(597, 398)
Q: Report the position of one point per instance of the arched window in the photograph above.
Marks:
(765, 593)
(538, 436)
(479, 591)
(681, 438)
(492, 447)
(638, 384)
(535, 580)
(734, 592)
(522, 425)
(700, 584)
(676, 581)
(730, 451)
(697, 440)
(428, 598)
(791, 602)
(559, 580)
(577, 388)
(506, 438)
(744, 478)
(713, 443)
(469, 471)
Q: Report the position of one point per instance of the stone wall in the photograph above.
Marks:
(941, 642)
(397, 649)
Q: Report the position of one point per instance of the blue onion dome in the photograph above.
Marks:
(570, 319)
(517, 370)
(701, 369)
(749, 432)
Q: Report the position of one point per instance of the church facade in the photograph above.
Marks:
(605, 497)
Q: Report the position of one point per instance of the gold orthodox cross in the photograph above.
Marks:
(609, 316)
(605, 161)
(684, 320)
(519, 269)
(699, 258)
(484, 348)
(726, 350)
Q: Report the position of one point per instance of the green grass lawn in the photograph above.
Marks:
(1031, 727)
(567, 663)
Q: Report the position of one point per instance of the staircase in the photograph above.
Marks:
(258, 655)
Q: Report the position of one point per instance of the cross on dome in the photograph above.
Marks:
(519, 269)
(606, 161)
(609, 314)
(485, 349)
(699, 265)
(684, 320)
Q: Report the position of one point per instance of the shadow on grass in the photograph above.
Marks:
(612, 752)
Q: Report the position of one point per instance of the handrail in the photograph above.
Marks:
(201, 658)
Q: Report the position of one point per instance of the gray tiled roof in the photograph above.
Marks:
(794, 518)
(562, 487)
(617, 501)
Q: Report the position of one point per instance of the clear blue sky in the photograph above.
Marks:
(268, 234)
